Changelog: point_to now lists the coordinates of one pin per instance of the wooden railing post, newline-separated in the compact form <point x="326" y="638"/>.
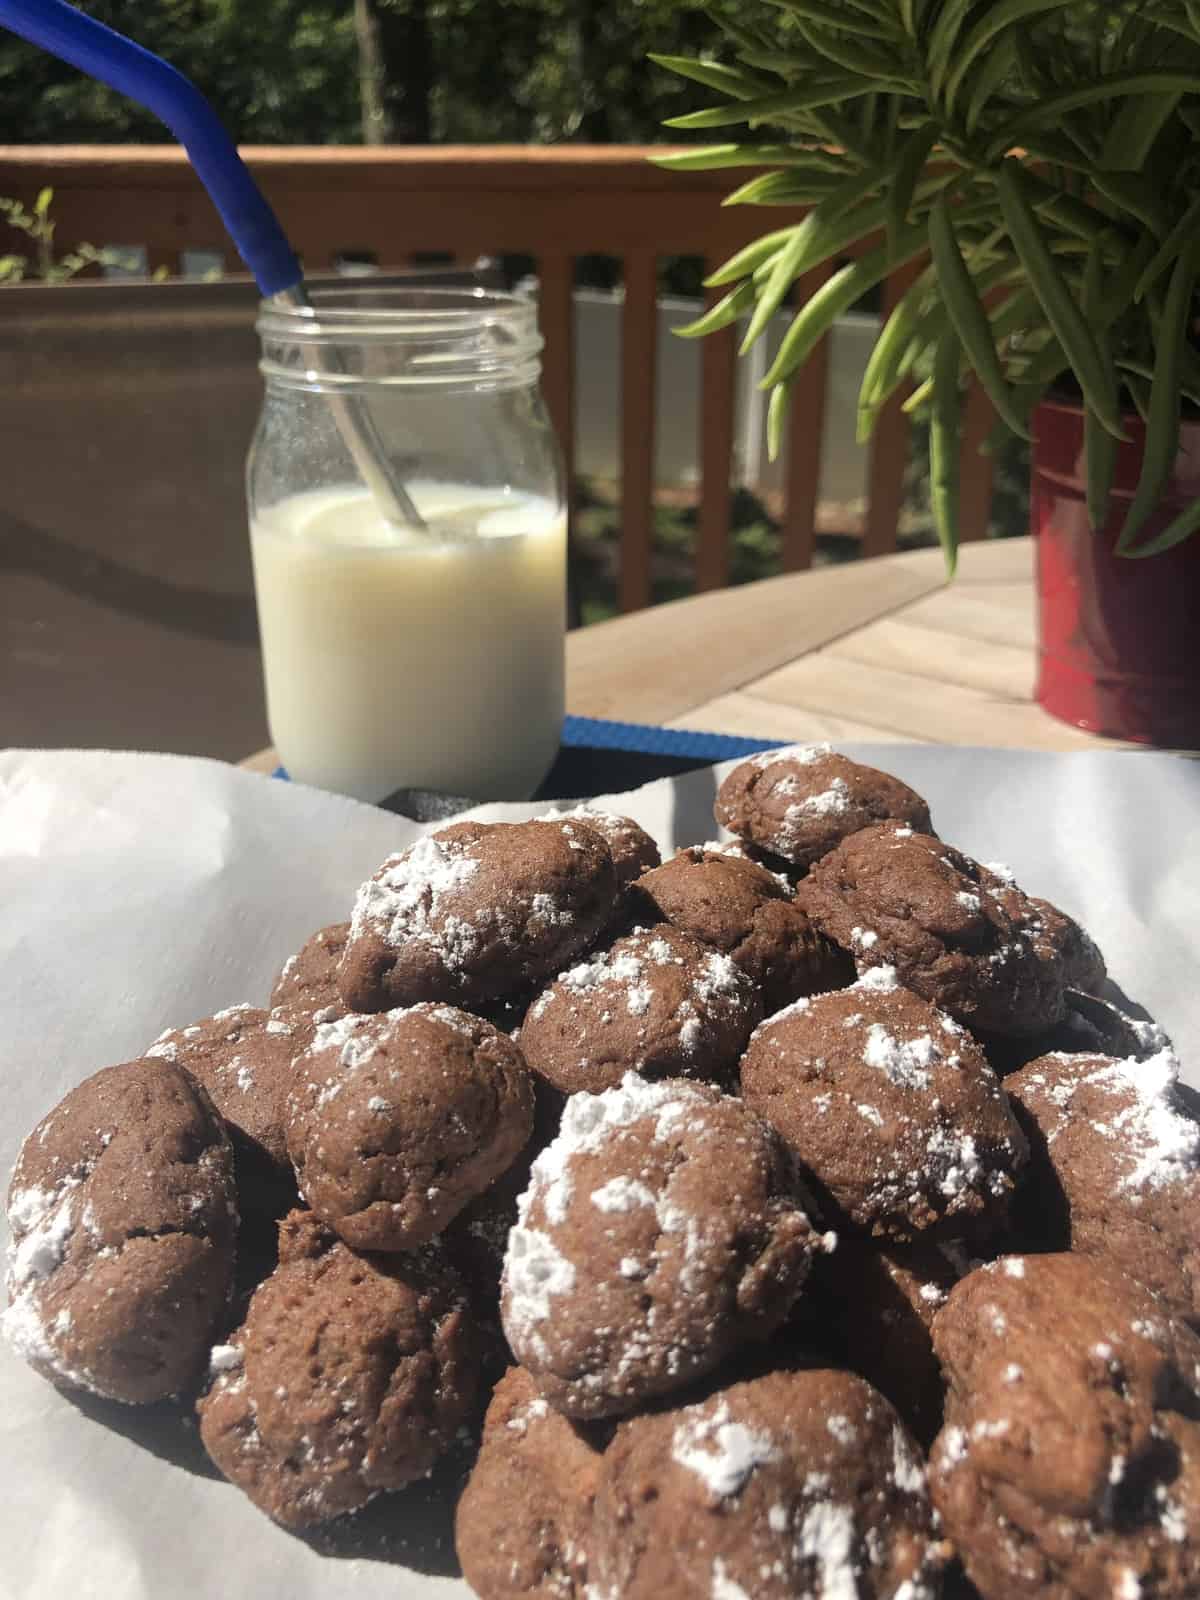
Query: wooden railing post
<point x="889" y="446"/>
<point x="718" y="356"/>
<point x="557" y="321"/>
<point x="805" y="432"/>
<point x="639" y="384"/>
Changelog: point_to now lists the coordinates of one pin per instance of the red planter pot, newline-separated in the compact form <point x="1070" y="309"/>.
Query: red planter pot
<point x="1119" y="649"/>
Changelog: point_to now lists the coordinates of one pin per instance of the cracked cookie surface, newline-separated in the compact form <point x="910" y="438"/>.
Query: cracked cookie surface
<point x="123" y="1215"/>
<point x="350" y="1375"/>
<point x="398" y="1119"/>
<point x="659" y="1232"/>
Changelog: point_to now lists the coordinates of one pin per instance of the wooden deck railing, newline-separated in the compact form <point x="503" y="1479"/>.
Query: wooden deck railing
<point x="554" y="204"/>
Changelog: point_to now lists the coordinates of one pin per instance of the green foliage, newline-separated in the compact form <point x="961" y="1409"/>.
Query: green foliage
<point x="1044" y="151"/>
<point x="282" y="73"/>
<point x="277" y="73"/>
<point x="38" y="227"/>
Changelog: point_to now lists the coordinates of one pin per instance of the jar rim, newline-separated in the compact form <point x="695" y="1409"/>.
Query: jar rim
<point x="395" y="312"/>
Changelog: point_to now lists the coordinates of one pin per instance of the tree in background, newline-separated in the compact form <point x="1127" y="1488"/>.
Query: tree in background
<point x="378" y="71"/>
<point x="279" y="73"/>
<point x="396" y="70"/>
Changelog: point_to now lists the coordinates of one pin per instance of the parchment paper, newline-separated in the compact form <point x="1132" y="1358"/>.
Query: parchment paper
<point x="138" y="892"/>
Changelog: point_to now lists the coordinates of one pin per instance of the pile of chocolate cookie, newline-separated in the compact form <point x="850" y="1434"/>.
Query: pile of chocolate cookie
<point x="804" y="1217"/>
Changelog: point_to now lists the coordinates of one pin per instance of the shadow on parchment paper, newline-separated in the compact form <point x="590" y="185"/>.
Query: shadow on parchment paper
<point x="167" y="1430"/>
<point x="692" y="807"/>
<point x="411" y="1528"/>
<point x="1116" y="996"/>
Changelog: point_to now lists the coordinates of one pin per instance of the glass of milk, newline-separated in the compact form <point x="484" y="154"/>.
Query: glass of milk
<point x="393" y="656"/>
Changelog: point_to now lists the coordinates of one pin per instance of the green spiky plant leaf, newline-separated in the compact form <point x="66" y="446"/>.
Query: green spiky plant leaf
<point x="1042" y="153"/>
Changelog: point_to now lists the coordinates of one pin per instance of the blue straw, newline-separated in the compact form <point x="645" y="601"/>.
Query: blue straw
<point x="62" y="31"/>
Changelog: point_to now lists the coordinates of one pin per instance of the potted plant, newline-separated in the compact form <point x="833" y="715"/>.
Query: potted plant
<point x="1038" y="164"/>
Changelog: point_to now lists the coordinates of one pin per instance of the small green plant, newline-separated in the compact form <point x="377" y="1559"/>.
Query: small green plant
<point x="38" y="227"/>
<point x="1034" y="162"/>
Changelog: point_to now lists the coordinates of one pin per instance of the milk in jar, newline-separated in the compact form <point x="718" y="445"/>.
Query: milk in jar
<point x="422" y="653"/>
<point x="398" y="658"/>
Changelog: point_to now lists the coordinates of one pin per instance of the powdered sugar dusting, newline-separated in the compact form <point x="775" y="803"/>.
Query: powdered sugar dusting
<point x="720" y="979"/>
<point x="22" y="1325"/>
<point x="841" y="1429"/>
<point x="590" y="1119"/>
<point x="610" y="966"/>
<point x="1172" y="1516"/>
<point x="639" y="999"/>
<point x="953" y="1444"/>
<point x="412" y="890"/>
<point x="803" y="755"/>
<point x="826" y="1537"/>
<point x="831" y="802"/>
<point x="535" y="1271"/>
<point x="233" y="1013"/>
<point x="224" y="1358"/>
<point x="956" y="1162"/>
<point x="723" y="1586"/>
<point x="906" y="1062"/>
<point x="43" y="1221"/>
<point x="721" y="1452"/>
<point x="621" y="1194"/>
<point x="628" y="980"/>
<point x="1161" y="1145"/>
<point x="354" y="1037"/>
<point x="908" y="1473"/>
<point x="880" y="980"/>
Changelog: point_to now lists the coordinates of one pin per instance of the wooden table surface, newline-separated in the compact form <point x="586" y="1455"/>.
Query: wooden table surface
<point x="883" y="649"/>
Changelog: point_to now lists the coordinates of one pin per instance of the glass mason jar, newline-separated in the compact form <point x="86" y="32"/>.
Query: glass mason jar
<point x="394" y="656"/>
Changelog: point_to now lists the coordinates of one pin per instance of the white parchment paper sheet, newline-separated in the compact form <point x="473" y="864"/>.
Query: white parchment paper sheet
<point x="138" y="892"/>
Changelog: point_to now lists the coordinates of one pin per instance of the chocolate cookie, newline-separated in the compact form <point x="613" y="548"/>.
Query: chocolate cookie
<point x="799" y="802"/>
<point x="307" y="981"/>
<point x="398" y="1119"/>
<point x="243" y="1057"/>
<point x="786" y="874"/>
<point x="1115" y="1169"/>
<point x="478" y="1237"/>
<point x="961" y="935"/>
<point x="1069" y="1466"/>
<point x="523" y="1525"/>
<point x="658" y="1234"/>
<point x="1089" y="1026"/>
<point x="891" y="1109"/>
<point x="796" y="1483"/>
<point x="475" y="912"/>
<point x="123" y="1222"/>
<point x="873" y="1310"/>
<point x="657" y="1002"/>
<point x="1083" y="965"/>
<point x="741" y="908"/>
<point x="633" y="850"/>
<point x="351" y="1374"/>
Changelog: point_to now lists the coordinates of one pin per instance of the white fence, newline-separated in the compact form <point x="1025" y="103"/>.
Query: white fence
<point x="597" y="400"/>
